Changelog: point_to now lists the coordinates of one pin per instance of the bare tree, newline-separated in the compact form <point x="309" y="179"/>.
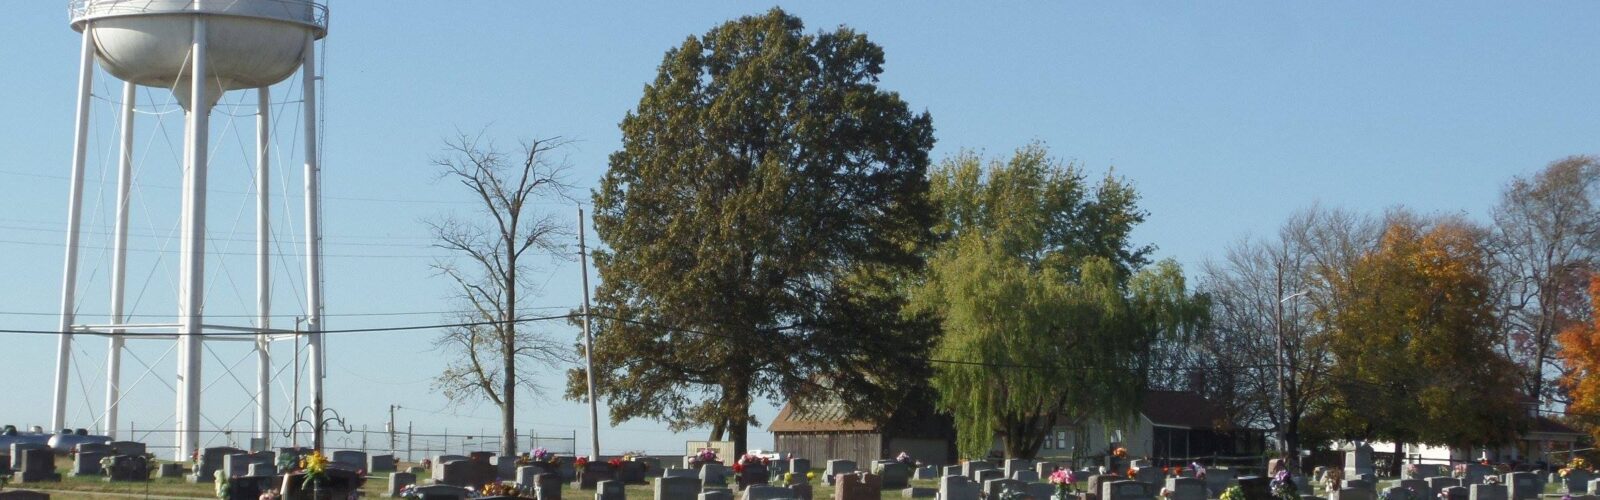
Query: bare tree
<point x="1261" y="355"/>
<point x="493" y="354"/>
<point x="1546" y="238"/>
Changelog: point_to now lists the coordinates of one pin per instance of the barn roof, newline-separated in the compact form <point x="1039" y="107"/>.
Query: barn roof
<point x="828" y="416"/>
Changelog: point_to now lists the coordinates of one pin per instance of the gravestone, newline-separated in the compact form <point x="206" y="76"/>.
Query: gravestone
<point x="1358" y="461"/>
<point x="527" y="475"/>
<point x="799" y="465"/>
<point x="987" y="475"/>
<point x="103" y="448"/>
<point x="505" y="466"/>
<point x="36" y="465"/>
<point x="857" y="486"/>
<point x="1577" y="481"/>
<point x="1476" y="473"/>
<point x="1097" y="482"/>
<point x="926" y="472"/>
<point x="352" y="458"/>
<point x="609" y="490"/>
<point x="1125" y="490"/>
<point x="802" y="490"/>
<point x="753" y="474"/>
<point x="569" y="469"/>
<point x="1148" y="475"/>
<point x="716" y="494"/>
<point x="631" y="472"/>
<point x="238" y="464"/>
<point x="128" y="468"/>
<point x="1523" y="486"/>
<point x="23" y="495"/>
<point x="778" y="467"/>
<point x="441" y="492"/>
<point x="895" y="475"/>
<point x="1419" y="488"/>
<point x="399" y="481"/>
<point x="1439" y="483"/>
<point x="919" y="492"/>
<point x="1351" y="494"/>
<point x="1219" y="479"/>
<point x="764" y="492"/>
<point x="712" y="476"/>
<point x="951" y="470"/>
<point x="547" y="486"/>
<point x="1186" y="488"/>
<point x="87" y="463"/>
<point x="128" y="448"/>
<point x="1015" y="464"/>
<point x="380" y="463"/>
<point x="954" y="487"/>
<point x="972" y="467"/>
<point x="210" y="461"/>
<point x="453" y="473"/>
<point x="1486" y="492"/>
<point x="169" y="469"/>
<point x="258" y="469"/>
<point x="1454" y="493"/>
<point x="1139" y="463"/>
<point x="671" y="487"/>
<point x="1026" y="476"/>
<point x="1044" y="469"/>
<point x="1360" y="484"/>
<point x="593" y="473"/>
<point x="835" y="468"/>
<point x="1399" y="493"/>
<point x="18" y="448"/>
<point x="994" y="487"/>
<point x="1255" y="487"/>
<point x="1040" y="491"/>
<point x="684" y="473"/>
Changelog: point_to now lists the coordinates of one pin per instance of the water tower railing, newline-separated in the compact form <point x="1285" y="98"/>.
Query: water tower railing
<point x="292" y="10"/>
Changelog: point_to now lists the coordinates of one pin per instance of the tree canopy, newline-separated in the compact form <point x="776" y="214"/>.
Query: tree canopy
<point x="1041" y="299"/>
<point x="766" y="205"/>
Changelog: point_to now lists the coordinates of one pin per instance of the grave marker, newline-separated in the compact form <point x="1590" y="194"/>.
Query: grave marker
<point x="671" y="487"/>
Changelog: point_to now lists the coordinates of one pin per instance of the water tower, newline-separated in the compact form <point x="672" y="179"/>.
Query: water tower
<point x="199" y="50"/>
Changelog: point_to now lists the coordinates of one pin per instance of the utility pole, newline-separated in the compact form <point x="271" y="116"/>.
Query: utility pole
<point x="391" y="428"/>
<point x="1283" y="380"/>
<point x="588" y="346"/>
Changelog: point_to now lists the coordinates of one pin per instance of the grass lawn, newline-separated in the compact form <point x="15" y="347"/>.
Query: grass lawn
<point x="72" y="488"/>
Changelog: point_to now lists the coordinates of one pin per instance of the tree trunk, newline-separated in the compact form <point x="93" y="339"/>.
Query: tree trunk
<point x="1399" y="457"/>
<point x="508" y="353"/>
<point x="739" y="416"/>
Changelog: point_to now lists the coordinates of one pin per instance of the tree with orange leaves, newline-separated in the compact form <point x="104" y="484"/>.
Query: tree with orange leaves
<point x="1580" y="354"/>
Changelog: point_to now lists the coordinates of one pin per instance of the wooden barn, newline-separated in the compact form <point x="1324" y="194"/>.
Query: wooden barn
<point x="824" y="431"/>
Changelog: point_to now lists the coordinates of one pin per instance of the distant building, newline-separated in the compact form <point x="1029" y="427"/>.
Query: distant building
<point x="1171" y="427"/>
<point x="1547" y="441"/>
<point x="824" y="431"/>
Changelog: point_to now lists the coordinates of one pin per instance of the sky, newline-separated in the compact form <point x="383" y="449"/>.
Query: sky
<point x="1227" y="116"/>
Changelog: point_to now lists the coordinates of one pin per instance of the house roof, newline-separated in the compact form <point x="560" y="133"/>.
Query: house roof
<point x="829" y="416"/>
<point x="1181" y="409"/>
<point x="1552" y="426"/>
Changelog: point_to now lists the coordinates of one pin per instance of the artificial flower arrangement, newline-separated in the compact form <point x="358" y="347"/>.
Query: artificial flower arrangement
<point x="1199" y="471"/>
<point x="1333" y="480"/>
<point x="1064" y="480"/>
<point x="616" y="463"/>
<point x="748" y="460"/>
<point x="1459" y="471"/>
<point x="904" y="458"/>
<point x="581" y="461"/>
<point x="315" y="465"/>
<point x="1120" y="452"/>
<point x="1283" y="486"/>
<point x="1233" y="493"/>
<point x="706" y="455"/>
<point x="792" y="478"/>
<point x="542" y="455"/>
<point x="1412" y="471"/>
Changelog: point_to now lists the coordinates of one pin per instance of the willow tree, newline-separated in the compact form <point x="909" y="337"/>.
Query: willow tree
<point x="766" y="203"/>
<point x="1047" y="308"/>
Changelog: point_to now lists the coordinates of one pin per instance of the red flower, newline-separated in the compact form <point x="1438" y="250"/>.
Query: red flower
<point x="738" y="467"/>
<point x="616" y="463"/>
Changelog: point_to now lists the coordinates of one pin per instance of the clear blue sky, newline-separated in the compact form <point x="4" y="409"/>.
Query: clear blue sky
<point x="1227" y="116"/>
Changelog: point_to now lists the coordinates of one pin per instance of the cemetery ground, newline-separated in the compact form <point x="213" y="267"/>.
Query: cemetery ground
<point x="73" y="488"/>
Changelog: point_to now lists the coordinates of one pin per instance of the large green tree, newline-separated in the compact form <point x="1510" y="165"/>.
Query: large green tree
<point x="1413" y="342"/>
<point x="1046" y="306"/>
<point x="765" y="207"/>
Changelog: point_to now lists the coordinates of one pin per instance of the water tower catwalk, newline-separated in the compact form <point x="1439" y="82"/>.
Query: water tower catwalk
<point x="199" y="50"/>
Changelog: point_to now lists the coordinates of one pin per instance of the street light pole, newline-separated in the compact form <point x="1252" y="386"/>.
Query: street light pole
<point x="1283" y="381"/>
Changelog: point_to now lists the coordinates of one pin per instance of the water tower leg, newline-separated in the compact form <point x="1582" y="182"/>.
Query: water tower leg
<point x="263" y="271"/>
<point x="119" y="260"/>
<point x="193" y="246"/>
<point x="314" y="352"/>
<point x="69" y="275"/>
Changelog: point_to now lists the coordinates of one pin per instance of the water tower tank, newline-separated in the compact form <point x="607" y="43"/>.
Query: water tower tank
<point x="250" y="43"/>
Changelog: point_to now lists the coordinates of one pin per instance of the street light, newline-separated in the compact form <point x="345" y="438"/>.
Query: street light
<point x="1283" y="387"/>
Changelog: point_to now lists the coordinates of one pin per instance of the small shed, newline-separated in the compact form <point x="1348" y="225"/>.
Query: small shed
<point x="824" y="431"/>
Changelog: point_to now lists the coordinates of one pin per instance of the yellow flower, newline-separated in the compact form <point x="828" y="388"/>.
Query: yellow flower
<point x="811" y="475"/>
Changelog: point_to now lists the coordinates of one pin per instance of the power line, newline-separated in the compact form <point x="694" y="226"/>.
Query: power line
<point x="334" y="315"/>
<point x="339" y="331"/>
